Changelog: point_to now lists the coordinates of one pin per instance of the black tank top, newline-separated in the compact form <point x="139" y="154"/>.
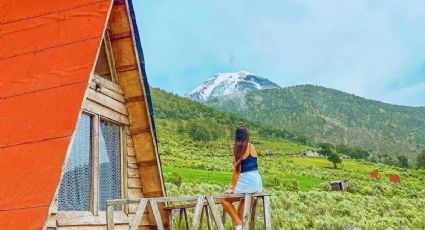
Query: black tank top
<point x="250" y="163"/>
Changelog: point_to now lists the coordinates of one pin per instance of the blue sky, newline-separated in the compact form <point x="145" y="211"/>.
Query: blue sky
<point x="374" y="49"/>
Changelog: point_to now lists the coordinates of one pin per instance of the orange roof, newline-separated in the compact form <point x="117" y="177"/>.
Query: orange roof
<point x="47" y="50"/>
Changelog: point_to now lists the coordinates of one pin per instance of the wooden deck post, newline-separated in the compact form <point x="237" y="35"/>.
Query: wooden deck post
<point x="110" y="217"/>
<point x="246" y="211"/>
<point x="253" y="212"/>
<point x="156" y="214"/>
<point x="203" y="204"/>
<point x="207" y="212"/>
<point x="198" y="213"/>
<point x="215" y="214"/>
<point x="186" y="220"/>
<point x="267" y="217"/>
<point x="139" y="213"/>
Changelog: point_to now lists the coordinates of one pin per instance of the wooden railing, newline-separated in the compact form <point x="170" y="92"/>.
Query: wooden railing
<point x="202" y="205"/>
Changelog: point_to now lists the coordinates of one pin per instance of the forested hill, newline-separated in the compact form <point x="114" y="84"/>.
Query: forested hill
<point x="201" y="118"/>
<point x="328" y="115"/>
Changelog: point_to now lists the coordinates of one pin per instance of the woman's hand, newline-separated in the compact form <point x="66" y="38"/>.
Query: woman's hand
<point x="229" y="191"/>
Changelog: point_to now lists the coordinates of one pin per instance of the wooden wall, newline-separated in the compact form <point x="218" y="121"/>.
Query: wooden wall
<point x="124" y="102"/>
<point x="130" y="79"/>
<point x="109" y="103"/>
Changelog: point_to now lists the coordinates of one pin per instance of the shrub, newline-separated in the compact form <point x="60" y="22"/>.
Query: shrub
<point x="420" y="160"/>
<point x="175" y="179"/>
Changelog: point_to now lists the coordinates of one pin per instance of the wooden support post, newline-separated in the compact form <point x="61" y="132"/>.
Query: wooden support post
<point x="219" y="222"/>
<point x="267" y="217"/>
<point x="186" y="220"/>
<point x="180" y="219"/>
<point x="139" y="213"/>
<point x="156" y="214"/>
<point x="207" y="213"/>
<point x="253" y="213"/>
<point x="197" y="213"/>
<point x="201" y="222"/>
<point x="246" y="211"/>
<point x="95" y="163"/>
<point x="110" y="217"/>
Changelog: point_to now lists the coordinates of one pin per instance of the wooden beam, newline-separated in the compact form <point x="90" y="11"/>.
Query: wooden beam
<point x="147" y="163"/>
<point x="95" y="168"/>
<point x="108" y="102"/>
<point x="129" y="78"/>
<point x="254" y="211"/>
<point x="156" y="214"/>
<point x="110" y="55"/>
<point x="108" y="84"/>
<point x="110" y="93"/>
<point x="136" y="131"/>
<point x="139" y="213"/>
<point x="214" y="211"/>
<point x="153" y="194"/>
<point x="196" y="221"/>
<point x="139" y="98"/>
<point x="110" y="217"/>
<point x="94" y="107"/>
<point x="121" y="35"/>
<point x="267" y="216"/>
<point x="124" y="68"/>
<point x="246" y="212"/>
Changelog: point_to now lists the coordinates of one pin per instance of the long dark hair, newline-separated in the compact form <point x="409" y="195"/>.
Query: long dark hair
<point x="240" y="146"/>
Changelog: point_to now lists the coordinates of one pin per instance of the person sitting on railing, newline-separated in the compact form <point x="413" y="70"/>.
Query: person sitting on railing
<point x="246" y="178"/>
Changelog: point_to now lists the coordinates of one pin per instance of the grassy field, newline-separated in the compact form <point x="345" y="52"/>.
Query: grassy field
<point x="301" y="195"/>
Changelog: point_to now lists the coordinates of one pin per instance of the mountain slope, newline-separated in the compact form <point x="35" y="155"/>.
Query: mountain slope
<point x="230" y="83"/>
<point x="184" y="125"/>
<point x="323" y="114"/>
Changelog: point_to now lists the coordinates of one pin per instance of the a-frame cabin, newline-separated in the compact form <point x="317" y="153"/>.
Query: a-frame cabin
<point x="76" y="126"/>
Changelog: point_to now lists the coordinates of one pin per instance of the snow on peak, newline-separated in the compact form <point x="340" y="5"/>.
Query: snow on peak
<point x="230" y="83"/>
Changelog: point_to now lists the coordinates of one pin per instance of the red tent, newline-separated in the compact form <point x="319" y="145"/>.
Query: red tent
<point x="395" y="179"/>
<point x="374" y="174"/>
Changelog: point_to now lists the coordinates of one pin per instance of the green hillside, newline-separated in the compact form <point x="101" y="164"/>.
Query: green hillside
<point x="201" y="164"/>
<point x="328" y="115"/>
<point x="188" y="127"/>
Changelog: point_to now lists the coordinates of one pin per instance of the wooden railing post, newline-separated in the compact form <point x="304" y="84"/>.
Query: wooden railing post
<point x="253" y="213"/>
<point x="197" y="213"/>
<point x="204" y="204"/>
<point x="246" y="211"/>
<point x="139" y="213"/>
<point x="156" y="214"/>
<point x="214" y="211"/>
<point x="267" y="217"/>
<point x="110" y="216"/>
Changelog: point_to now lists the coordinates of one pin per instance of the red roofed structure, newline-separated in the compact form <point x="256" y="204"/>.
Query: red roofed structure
<point x="72" y="78"/>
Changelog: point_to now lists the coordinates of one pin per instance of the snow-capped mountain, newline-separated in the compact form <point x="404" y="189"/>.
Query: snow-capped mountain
<point x="230" y="83"/>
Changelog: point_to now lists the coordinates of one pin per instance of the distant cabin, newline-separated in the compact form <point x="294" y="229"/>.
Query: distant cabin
<point x="308" y="153"/>
<point x="76" y="124"/>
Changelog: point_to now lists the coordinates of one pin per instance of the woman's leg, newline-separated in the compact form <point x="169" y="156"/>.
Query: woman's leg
<point x="229" y="208"/>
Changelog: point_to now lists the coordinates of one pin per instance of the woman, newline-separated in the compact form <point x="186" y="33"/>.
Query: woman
<point x="246" y="178"/>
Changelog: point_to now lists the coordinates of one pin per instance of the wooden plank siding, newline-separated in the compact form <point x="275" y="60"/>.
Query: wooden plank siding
<point x="122" y="100"/>
<point x="133" y="186"/>
<point x="129" y="78"/>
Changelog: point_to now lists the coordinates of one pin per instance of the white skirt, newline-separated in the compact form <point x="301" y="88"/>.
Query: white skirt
<point x="249" y="182"/>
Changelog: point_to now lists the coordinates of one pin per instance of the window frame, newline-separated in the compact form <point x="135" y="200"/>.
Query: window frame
<point x="106" y="43"/>
<point x="94" y="162"/>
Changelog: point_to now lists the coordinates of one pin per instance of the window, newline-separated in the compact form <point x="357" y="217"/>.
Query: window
<point x="93" y="169"/>
<point x="110" y="163"/>
<point x="105" y="63"/>
<point x="74" y="190"/>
